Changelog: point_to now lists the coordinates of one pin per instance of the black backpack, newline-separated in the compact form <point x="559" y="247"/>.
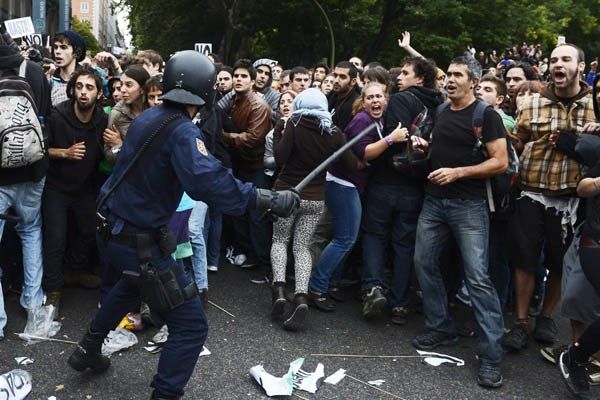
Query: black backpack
<point x="498" y="187"/>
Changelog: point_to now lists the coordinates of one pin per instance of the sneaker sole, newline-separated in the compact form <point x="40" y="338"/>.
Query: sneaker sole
<point x="294" y="322"/>
<point x="547" y="356"/>
<point x="491" y="385"/>
<point x="212" y="269"/>
<point x="445" y="342"/>
<point x="374" y="309"/>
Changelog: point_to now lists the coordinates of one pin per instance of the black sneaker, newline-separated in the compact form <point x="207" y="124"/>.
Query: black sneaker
<point x="551" y="354"/>
<point x="574" y="374"/>
<point x="545" y="329"/>
<point x="399" y="315"/>
<point x="250" y="262"/>
<point x="373" y="303"/>
<point x="278" y="300"/>
<point x="536" y="306"/>
<point x="489" y="375"/>
<point x="516" y="339"/>
<point x="430" y="340"/>
<point x="320" y="301"/>
<point x="336" y="294"/>
<point x="298" y="315"/>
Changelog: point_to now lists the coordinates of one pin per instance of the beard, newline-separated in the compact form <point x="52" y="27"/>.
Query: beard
<point x="84" y="107"/>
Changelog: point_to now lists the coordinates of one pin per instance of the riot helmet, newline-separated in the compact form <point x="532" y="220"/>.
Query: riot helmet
<point x="190" y="78"/>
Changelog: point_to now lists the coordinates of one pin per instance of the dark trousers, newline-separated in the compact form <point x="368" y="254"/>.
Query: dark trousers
<point x="187" y="323"/>
<point x="257" y="228"/>
<point x="57" y="208"/>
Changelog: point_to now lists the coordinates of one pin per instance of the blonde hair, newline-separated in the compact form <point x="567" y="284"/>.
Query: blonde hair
<point x="358" y="103"/>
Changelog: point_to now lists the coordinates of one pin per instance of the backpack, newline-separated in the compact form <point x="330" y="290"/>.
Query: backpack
<point x="498" y="187"/>
<point x="21" y="138"/>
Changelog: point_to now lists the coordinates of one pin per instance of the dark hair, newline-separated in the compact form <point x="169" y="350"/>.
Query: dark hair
<point x="214" y="57"/>
<point x="473" y="66"/>
<point x="153" y="57"/>
<point x="128" y="60"/>
<point x="298" y="70"/>
<point x="285" y="72"/>
<point x="352" y="70"/>
<point x="527" y="71"/>
<point x="532" y="86"/>
<point x="374" y="64"/>
<point x="83" y="71"/>
<point x="424" y="68"/>
<point x="321" y="65"/>
<point x="138" y="73"/>
<point x="152" y="83"/>
<point x="497" y="82"/>
<point x="246" y="64"/>
<point x="377" y="74"/>
<point x="580" y="53"/>
<point x="225" y="68"/>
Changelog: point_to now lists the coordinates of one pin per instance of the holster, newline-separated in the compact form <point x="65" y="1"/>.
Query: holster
<point x="162" y="291"/>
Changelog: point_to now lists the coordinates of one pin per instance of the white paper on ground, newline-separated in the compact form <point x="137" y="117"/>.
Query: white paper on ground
<point x="377" y="382"/>
<point x="437" y="359"/>
<point x="336" y="377"/>
<point x="274" y="386"/>
<point x="15" y="384"/>
<point x="205" y="352"/>
<point x="309" y="381"/>
<point x="23" y="360"/>
<point x="117" y="340"/>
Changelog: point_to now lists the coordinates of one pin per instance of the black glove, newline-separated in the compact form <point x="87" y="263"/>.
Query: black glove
<point x="280" y="204"/>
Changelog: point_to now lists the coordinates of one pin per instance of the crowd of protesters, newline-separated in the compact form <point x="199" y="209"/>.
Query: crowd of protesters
<point x="414" y="213"/>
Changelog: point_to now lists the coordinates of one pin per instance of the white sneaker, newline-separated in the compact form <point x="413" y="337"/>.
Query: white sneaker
<point x="212" y="268"/>
<point x="239" y="260"/>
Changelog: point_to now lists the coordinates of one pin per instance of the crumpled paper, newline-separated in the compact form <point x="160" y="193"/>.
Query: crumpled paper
<point x="437" y="359"/>
<point x="275" y="386"/>
<point x="117" y="340"/>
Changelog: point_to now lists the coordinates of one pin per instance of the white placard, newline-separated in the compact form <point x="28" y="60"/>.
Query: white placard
<point x="19" y="27"/>
<point x="203" y="48"/>
<point x="36" y="38"/>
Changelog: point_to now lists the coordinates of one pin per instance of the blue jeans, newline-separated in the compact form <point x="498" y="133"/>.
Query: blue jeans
<point x="2" y="311"/>
<point x="213" y="226"/>
<point x="26" y="199"/>
<point x="468" y="222"/>
<point x="498" y="265"/>
<point x="187" y="323"/>
<point x="197" y="239"/>
<point x="391" y="214"/>
<point x="345" y="208"/>
<point x="258" y="228"/>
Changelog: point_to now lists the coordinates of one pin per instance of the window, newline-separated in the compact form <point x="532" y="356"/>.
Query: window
<point x="84" y="7"/>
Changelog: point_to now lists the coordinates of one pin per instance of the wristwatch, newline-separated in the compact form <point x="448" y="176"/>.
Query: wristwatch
<point x="388" y="140"/>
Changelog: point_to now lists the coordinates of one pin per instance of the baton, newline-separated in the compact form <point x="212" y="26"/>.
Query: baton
<point x="9" y="218"/>
<point x="331" y="159"/>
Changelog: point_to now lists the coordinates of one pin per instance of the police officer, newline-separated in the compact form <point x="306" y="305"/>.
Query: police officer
<point x="163" y="155"/>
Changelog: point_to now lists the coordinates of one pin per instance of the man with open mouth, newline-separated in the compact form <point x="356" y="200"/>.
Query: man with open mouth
<point x="547" y="205"/>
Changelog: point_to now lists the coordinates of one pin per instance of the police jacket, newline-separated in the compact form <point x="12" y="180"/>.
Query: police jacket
<point x="176" y="160"/>
<point x="74" y="176"/>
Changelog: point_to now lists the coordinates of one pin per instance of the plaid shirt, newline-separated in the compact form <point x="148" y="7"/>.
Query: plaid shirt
<point x="543" y="168"/>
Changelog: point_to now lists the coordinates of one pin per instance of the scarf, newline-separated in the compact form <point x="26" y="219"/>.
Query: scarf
<point x="312" y="103"/>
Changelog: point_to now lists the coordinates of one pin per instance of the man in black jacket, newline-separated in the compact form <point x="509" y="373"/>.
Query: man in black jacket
<point x="75" y="147"/>
<point x="394" y="198"/>
<point x="21" y="188"/>
<point x="345" y="92"/>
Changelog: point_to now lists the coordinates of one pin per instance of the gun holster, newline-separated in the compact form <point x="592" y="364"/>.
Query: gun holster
<point x="161" y="291"/>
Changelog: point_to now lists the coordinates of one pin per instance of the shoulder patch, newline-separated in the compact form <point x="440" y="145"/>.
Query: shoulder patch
<point x="201" y="147"/>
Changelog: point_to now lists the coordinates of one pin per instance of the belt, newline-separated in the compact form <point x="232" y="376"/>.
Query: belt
<point x="130" y="239"/>
<point x="588" y="242"/>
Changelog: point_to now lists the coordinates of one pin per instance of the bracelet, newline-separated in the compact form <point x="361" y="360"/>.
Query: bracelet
<point x="388" y="140"/>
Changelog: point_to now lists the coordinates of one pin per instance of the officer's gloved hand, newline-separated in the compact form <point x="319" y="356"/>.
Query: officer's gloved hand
<point x="278" y="204"/>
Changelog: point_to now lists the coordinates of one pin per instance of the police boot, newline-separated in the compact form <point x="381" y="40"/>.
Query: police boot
<point x="89" y="353"/>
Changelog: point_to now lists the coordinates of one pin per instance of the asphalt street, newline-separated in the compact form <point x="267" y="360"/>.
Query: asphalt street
<point x="251" y="338"/>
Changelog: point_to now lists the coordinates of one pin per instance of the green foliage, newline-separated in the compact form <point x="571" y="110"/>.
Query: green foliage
<point x="295" y="31"/>
<point x="85" y="30"/>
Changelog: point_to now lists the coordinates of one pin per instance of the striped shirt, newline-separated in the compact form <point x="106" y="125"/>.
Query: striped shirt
<point x="545" y="169"/>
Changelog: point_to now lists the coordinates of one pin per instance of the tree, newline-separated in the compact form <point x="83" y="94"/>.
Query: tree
<point x="294" y="32"/>
<point x="85" y="30"/>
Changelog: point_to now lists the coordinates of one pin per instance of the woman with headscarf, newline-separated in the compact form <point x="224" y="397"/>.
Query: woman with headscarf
<point x="305" y="141"/>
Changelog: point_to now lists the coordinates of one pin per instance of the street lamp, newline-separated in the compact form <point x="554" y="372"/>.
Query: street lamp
<point x="332" y="62"/>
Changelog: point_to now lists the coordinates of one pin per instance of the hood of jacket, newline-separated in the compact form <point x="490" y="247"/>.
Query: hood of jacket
<point x="10" y="58"/>
<point x="430" y="98"/>
<point x="65" y="109"/>
<point x="585" y="89"/>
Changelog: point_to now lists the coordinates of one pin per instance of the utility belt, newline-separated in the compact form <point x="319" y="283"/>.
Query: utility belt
<point x="160" y="290"/>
